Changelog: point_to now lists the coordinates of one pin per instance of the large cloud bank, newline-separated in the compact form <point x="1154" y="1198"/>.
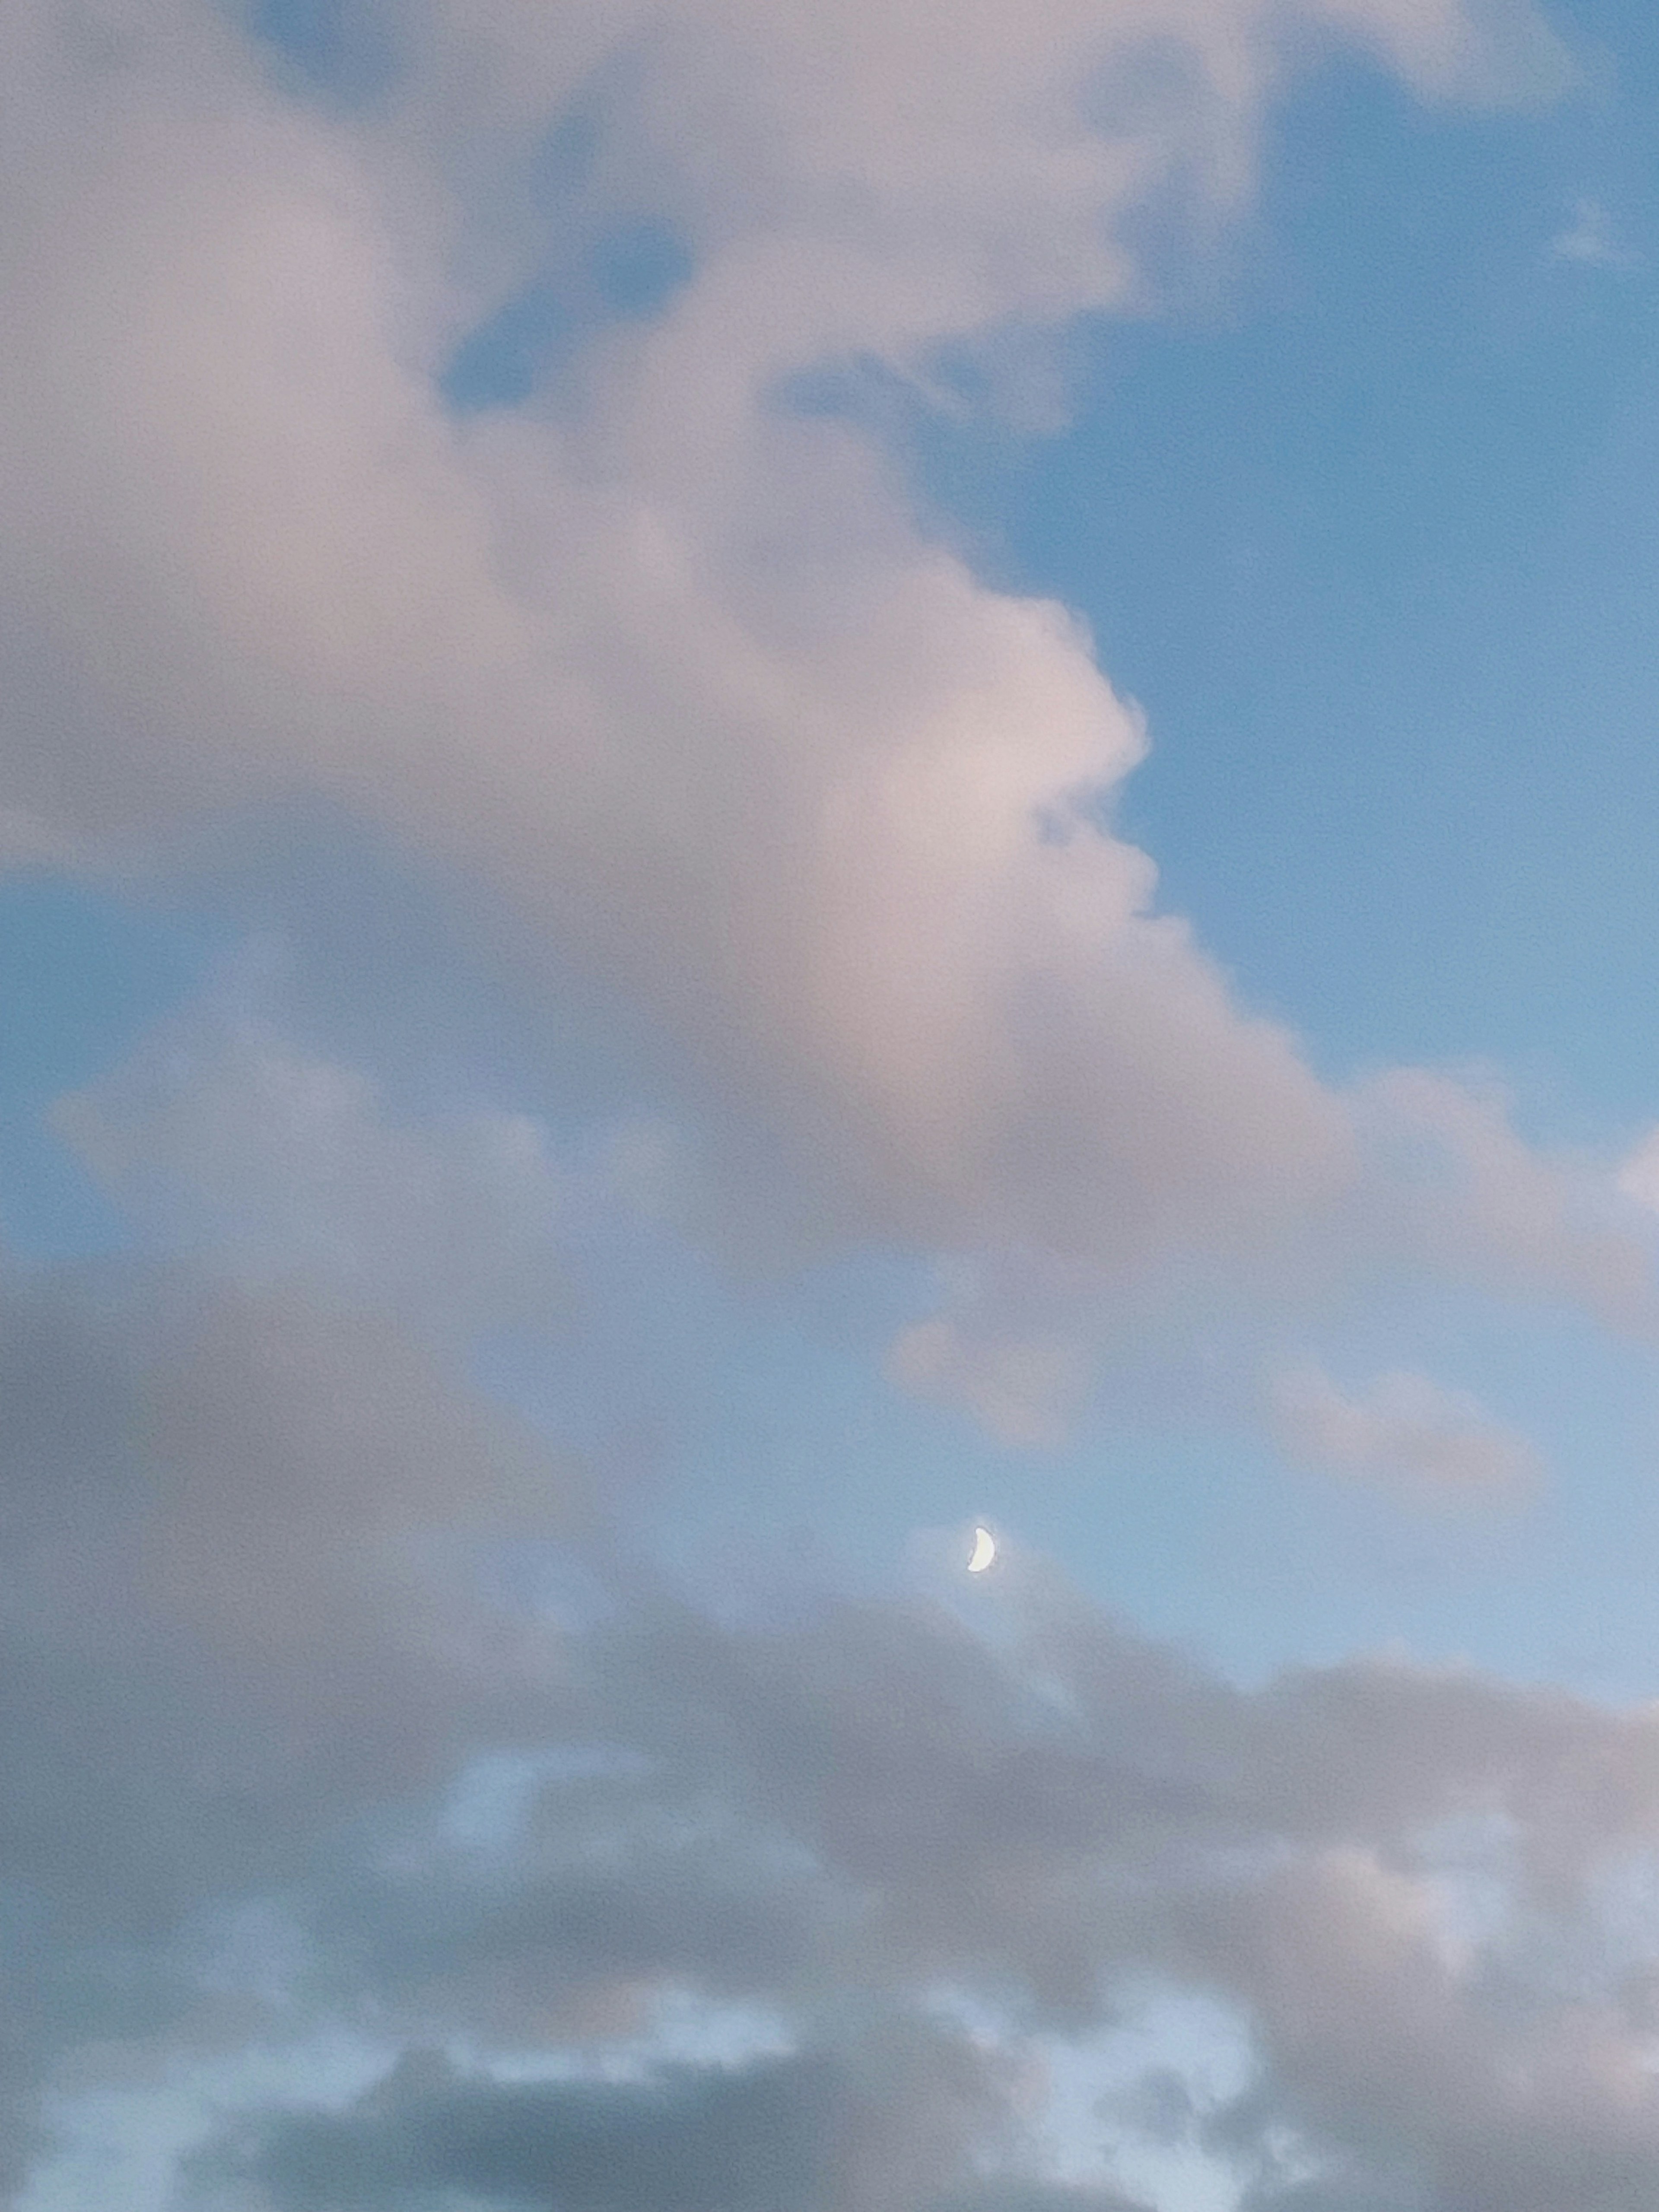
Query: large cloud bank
<point x="656" y="658"/>
<point x="923" y="1851"/>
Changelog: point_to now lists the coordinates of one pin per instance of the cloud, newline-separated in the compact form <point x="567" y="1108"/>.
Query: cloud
<point x="665" y="664"/>
<point x="1591" y="239"/>
<point x="1450" y="1187"/>
<point x="1326" y="1854"/>
<point x="248" y="1550"/>
<point x="226" y="1140"/>
<point x="1441" y="1188"/>
<point x="241" y="1602"/>
<point x="653" y="661"/>
<point x="1022" y="1391"/>
<point x="243" y="1529"/>
<point x="1405" y="1434"/>
<point x="1636" y="1177"/>
<point x="816" y="2132"/>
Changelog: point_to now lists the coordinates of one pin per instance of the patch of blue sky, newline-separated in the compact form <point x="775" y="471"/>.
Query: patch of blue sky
<point x="1122" y="2110"/>
<point x="84" y="973"/>
<point x="630" y="272"/>
<point x="564" y="160"/>
<point x="685" y="2028"/>
<point x="636" y="267"/>
<point x="1127" y="2107"/>
<point x="339" y="51"/>
<point x="122" y="2145"/>
<point x="770" y="1454"/>
<point x="345" y="51"/>
<point x="502" y="360"/>
<point x="491" y="1800"/>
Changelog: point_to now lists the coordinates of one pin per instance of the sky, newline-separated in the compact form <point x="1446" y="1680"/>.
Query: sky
<point x="774" y="780"/>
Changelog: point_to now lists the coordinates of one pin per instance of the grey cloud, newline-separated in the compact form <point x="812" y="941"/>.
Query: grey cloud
<point x="244" y="1646"/>
<point x="1334" y="2195"/>
<point x="237" y="1553"/>
<point x="822" y="2131"/>
<point x="880" y="1778"/>
<point x="1038" y="1843"/>
<point x="615" y="1892"/>
<point x="240" y="1610"/>
<point x="1038" y="2197"/>
<point x="834" y="1816"/>
<point x="1408" y="2083"/>
<point x="735" y="2143"/>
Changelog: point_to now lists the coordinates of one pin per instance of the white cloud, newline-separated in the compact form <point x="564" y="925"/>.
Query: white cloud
<point x="241" y="1685"/>
<point x="1592" y="240"/>
<point x="1449" y="1185"/>
<point x="1404" y="1434"/>
<point x="671" y="668"/>
<point x="1441" y="1188"/>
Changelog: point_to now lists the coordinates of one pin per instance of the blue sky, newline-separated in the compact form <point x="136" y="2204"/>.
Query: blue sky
<point x="572" y="931"/>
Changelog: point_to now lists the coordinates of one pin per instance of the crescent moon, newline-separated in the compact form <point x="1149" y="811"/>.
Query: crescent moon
<point x="985" y="1550"/>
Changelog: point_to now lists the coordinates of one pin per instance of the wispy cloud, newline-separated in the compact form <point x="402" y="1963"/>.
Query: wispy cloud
<point x="1592" y="238"/>
<point x="1404" y="1434"/>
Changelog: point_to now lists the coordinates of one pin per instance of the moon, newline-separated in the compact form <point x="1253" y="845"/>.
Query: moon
<point x="985" y="1550"/>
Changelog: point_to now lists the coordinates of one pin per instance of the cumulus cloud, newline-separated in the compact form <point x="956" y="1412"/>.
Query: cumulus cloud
<point x="656" y="659"/>
<point x="1402" y="1433"/>
<point x="249" y="1549"/>
<point x="245" y="1547"/>
<point x="664" y="662"/>
<point x="1392" y="1875"/>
